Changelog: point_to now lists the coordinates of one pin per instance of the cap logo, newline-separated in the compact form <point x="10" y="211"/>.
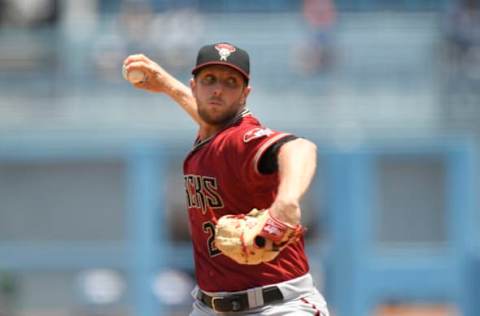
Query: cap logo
<point x="224" y="50"/>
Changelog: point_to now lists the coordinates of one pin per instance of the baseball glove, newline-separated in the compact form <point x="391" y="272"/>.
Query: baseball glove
<point x="255" y="237"/>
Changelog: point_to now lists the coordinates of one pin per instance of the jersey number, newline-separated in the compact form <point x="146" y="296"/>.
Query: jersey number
<point x="209" y="228"/>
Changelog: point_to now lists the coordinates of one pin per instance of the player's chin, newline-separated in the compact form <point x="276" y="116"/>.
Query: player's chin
<point x="215" y="118"/>
<point x="217" y="111"/>
<point x="215" y="115"/>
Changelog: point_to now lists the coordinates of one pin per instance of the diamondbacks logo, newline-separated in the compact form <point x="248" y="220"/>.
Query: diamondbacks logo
<point x="202" y="192"/>
<point x="256" y="133"/>
<point x="224" y="50"/>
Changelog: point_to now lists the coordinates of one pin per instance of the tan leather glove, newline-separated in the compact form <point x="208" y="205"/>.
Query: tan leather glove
<point x="254" y="238"/>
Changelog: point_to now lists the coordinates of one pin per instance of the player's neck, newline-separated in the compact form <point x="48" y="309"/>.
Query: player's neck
<point x="207" y="130"/>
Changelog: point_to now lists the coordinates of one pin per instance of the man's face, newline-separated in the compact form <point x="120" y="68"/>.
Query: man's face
<point x="220" y="92"/>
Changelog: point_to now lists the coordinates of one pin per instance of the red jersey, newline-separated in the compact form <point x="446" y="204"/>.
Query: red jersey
<point x="222" y="177"/>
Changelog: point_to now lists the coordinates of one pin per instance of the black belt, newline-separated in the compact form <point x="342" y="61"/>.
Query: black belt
<point x="238" y="302"/>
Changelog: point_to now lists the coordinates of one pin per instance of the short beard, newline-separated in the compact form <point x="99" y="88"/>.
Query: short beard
<point x="217" y="120"/>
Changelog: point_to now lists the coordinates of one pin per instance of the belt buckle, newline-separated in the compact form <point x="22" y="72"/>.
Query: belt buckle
<point x="213" y="303"/>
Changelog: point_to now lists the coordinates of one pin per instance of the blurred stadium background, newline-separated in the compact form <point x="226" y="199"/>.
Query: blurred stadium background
<point x="92" y="218"/>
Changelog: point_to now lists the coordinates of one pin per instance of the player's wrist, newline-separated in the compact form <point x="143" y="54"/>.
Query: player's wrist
<point x="286" y="210"/>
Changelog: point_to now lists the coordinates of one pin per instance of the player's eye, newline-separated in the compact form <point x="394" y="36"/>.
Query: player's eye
<point x="231" y="82"/>
<point x="208" y="80"/>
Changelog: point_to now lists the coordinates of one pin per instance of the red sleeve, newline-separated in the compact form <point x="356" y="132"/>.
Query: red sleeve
<point x="247" y="147"/>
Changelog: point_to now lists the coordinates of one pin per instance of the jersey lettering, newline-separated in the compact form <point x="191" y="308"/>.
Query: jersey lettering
<point x="209" y="228"/>
<point x="202" y="192"/>
<point x="193" y="187"/>
<point x="213" y="198"/>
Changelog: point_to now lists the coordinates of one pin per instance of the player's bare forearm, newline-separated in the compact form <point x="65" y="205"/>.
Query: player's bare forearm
<point x="159" y="80"/>
<point x="297" y="161"/>
<point x="182" y="95"/>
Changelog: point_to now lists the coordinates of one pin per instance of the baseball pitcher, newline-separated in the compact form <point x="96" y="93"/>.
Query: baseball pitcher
<point x="243" y="185"/>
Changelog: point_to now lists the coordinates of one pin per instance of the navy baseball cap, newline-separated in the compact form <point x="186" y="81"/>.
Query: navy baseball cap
<point x="223" y="54"/>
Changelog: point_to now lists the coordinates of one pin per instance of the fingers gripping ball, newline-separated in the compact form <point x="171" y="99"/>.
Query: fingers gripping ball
<point x="134" y="76"/>
<point x="255" y="237"/>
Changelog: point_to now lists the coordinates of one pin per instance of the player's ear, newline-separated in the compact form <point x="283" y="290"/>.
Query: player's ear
<point x="245" y="94"/>
<point x="193" y="84"/>
<point x="247" y="90"/>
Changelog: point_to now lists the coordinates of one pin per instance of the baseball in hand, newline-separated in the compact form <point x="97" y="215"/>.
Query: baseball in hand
<point x="134" y="76"/>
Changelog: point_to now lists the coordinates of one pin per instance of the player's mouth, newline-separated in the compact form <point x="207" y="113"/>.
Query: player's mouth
<point x="215" y="102"/>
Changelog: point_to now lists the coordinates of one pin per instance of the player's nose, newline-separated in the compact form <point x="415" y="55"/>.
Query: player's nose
<point x="217" y="89"/>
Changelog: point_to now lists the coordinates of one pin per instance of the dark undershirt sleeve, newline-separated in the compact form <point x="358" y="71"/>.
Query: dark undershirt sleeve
<point x="268" y="163"/>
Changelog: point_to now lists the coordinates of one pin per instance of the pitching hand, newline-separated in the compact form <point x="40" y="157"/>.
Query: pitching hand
<point x="156" y="78"/>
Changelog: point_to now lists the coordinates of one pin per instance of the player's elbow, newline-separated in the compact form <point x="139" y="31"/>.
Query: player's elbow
<point x="306" y="146"/>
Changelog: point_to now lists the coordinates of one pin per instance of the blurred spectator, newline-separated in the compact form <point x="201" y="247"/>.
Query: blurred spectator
<point x="463" y="33"/>
<point x="170" y="37"/>
<point x="462" y="90"/>
<point x="135" y="24"/>
<point x="179" y="34"/>
<point x="316" y="55"/>
<point x="28" y="41"/>
<point x="129" y="33"/>
<point x="8" y="293"/>
<point x="28" y="13"/>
